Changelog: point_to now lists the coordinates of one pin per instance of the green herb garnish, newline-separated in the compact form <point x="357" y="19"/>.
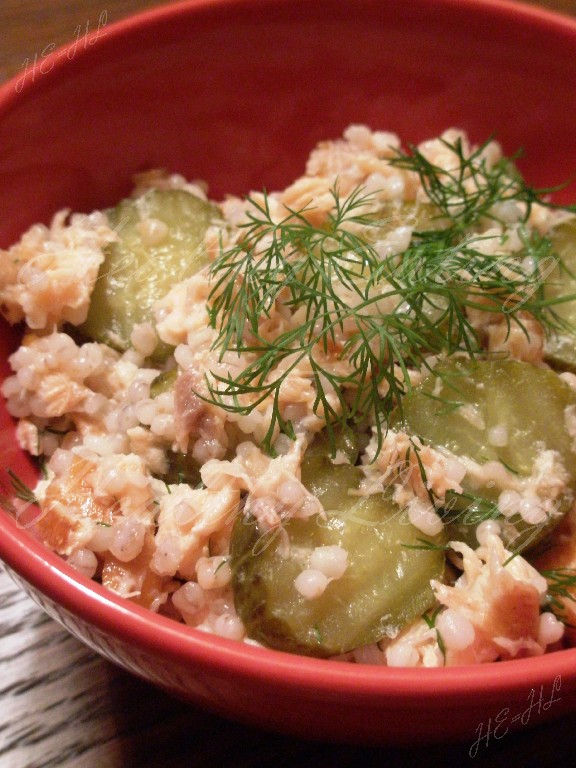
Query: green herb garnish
<point x="21" y="490"/>
<point x="427" y="545"/>
<point x="431" y="621"/>
<point x="561" y="583"/>
<point x="378" y="315"/>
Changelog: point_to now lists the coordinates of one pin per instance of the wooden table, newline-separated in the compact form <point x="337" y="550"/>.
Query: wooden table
<point x="62" y="706"/>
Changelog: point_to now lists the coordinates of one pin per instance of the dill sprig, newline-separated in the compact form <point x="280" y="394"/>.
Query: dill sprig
<point x="21" y="490"/>
<point x="430" y="620"/>
<point x="469" y="509"/>
<point x="561" y="584"/>
<point x="18" y="489"/>
<point x="471" y="189"/>
<point x="361" y="320"/>
<point x="427" y="546"/>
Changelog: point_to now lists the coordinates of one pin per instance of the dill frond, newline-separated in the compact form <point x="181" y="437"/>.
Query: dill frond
<point x="561" y="583"/>
<point x="17" y="490"/>
<point x="21" y="490"/>
<point x="377" y="316"/>
<point x="561" y="587"/>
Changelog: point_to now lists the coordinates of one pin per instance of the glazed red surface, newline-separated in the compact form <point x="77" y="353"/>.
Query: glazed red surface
<point x="237" y="93"/>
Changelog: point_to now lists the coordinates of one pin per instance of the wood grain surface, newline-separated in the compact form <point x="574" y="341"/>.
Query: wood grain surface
<point x="62" y="706"/>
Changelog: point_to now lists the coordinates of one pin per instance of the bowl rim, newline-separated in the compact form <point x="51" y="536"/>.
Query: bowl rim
<point x="139" y="21"/>
<point x="51" y="576"/>
<point x="47" y="573"/>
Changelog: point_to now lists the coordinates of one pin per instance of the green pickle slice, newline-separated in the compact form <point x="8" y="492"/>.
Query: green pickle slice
<point x="385" y="586"/>
<point x="560" y="347"/>
<point x="459" y="407"/>
<point x="138" y="270"/>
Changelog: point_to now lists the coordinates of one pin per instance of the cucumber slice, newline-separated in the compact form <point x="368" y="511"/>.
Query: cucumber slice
<point x="560" y="348"/>
<point x="504" y="411"/>
<point x="385" y="586"/>
<point x="142" y="266"/>
<point x="164" y="382"/>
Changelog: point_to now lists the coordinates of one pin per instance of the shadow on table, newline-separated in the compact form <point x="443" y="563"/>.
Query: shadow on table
<point x="157" y="730"/>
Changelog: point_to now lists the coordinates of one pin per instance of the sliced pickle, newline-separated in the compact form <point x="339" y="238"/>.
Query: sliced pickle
<point x="560" y="347"/>
<point x="182" y="468"/>
<point x="504" y="411"/>
<point x="161" y="236"/>
<point x="164" y="382"/>
<point x="386" y="583"/>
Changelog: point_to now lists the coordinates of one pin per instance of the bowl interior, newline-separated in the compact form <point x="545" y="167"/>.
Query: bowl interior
<point x="237" y="92"/>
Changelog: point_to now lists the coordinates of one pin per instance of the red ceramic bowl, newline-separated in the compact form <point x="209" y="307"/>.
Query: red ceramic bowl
<point x="237" y="92"/>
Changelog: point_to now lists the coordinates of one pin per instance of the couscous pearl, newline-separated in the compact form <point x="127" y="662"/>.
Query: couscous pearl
<point x="94" y="403"/>
<point x="399" y="239"/>
<point x="508" y="503"/>
<point x="213" y="572"/>
<point x="402" y="655"/>
<point x="189" y="598"/>
<point x="133" y="356"/>
<point x="295" y="411"/>
<point x="22" y="356"/>
<point x="49" y="444"/>
<point x="144" y="339"/>
<point x="311" y="583"/>
<point x="153" y="231"/>
<point x="456" y="630"/>
<point x="282" y="445"/>
<point x="550" y="630"/>
<point x="162" y="424"/>
<point x="222" y="605"/>
<point x="455" y="469"/>
<point x="532" y="511"/>
<point x="229" y="626"/>
<point x="332" y="560"/>
<point x="113" y="481"/>
<point x="146" y="411"/>
<point x="60" y="461"/>
<point x="102" y="538"/>
<point x="84" y="561"/>
<point x="11" y="387"/>
<point x="424" y="518"/>
<point x="290" y="493"/>
<point x="487" y="528"/>
<point x="128" y="539"/>
<point x="127" y="418"/>
<point x="165" y="401"/>
<point x="184" y="356"/>
<point x="26" y="377"/>
<point x="18" y="408"/>
<point x="204" y="450"/>
<point x="166" y="559"/>
<point x="111" y="421"/>
<point x="569" y="378"/>
<point x="83" y="365"/>
<point x="498" y="436"/>
<point x="308" y="507"/>
<point x="139" y="390"/>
